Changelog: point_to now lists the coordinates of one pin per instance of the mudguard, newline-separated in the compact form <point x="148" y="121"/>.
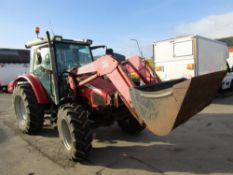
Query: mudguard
<point x="36" y="87"/>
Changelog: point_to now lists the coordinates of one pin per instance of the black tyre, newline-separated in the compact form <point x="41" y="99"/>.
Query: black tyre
<point x="75" y="131"/>
<point x="130" y="125"/>
<point x="29" y="113"/>
<point x="3" y="88"/>
<point x="231" y="86"/>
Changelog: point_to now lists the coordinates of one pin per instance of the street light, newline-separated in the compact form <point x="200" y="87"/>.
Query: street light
<point x="138" y="46"/>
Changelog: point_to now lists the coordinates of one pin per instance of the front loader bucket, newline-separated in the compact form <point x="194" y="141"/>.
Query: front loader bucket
<point x="166" y="105"/>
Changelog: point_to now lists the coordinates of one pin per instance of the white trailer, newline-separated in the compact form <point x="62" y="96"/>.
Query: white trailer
<point x="13" y="62"/>
<point x="188" y="56"/>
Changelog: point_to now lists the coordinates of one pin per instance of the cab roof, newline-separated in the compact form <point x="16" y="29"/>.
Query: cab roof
<point x="56" y="38"/>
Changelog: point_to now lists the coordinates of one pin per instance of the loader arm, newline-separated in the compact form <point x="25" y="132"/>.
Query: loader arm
<point x="160" y="107"/>
<point x="108" y="66"/>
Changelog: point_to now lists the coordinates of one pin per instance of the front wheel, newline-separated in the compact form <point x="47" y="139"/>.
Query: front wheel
<point x="74" y="131"/>
<point x="29" y="113"/>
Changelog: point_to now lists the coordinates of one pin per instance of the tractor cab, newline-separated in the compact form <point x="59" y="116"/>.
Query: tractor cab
<point x="57" y="60"/>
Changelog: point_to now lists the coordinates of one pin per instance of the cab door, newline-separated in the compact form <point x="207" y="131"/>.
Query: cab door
<point x="42" y="68"/>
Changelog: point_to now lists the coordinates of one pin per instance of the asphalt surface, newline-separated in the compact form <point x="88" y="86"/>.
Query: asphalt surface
<point x="204" y="145"/>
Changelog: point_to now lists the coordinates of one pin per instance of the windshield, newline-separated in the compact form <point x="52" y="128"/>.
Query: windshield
<point x="71" y="55"/>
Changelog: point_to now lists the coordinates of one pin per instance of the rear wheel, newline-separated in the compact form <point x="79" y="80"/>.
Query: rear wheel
<point x="130" y="125"/>
<point x="74" y="131"/>
<point x="29" y="113"/>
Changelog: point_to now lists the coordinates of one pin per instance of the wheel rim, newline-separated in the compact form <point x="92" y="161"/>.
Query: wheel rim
<point x="66" y="135"/>
<point x="20" y="109"/>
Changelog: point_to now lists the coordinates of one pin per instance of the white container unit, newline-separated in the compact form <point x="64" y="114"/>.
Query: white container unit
<point x="13" y="62"/>
<point x="188" y="56"/>
<point x="9" y="72"/>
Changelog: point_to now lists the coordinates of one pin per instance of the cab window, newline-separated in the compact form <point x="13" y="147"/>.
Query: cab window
<point x="71" y="55"/>
<point x="43" y="58"/>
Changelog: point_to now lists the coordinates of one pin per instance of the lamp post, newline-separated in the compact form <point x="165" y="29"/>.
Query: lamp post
<point x="138" y="46"/>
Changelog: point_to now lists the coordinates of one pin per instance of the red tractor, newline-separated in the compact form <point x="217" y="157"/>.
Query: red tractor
<point x="79" y="94"/>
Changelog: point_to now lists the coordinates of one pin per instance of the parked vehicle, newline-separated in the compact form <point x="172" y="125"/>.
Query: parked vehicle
<point x="227" y="83"/>
<point x="13" y="62"/>
<point x="188" y="56"/>
<point x="80" y="93"/>
<point x="228" y="79"/>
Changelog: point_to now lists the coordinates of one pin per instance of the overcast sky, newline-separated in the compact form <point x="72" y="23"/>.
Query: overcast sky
<point x="114" y="22"/>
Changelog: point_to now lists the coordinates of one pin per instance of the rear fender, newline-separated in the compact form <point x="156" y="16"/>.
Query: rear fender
<point x="36" y="85"/>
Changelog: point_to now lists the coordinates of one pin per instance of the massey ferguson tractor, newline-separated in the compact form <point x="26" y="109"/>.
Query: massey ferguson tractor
<point x="80" y="94"/>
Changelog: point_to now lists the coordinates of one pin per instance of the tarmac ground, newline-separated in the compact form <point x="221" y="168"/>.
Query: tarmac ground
<point x="203" y="145"/>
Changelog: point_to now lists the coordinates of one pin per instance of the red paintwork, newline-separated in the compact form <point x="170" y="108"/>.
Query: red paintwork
<point x="105" y="85"/>
<point x="10" y="86"/>
<point x="36" y="87"/>
<point x="117" y="74"/>
<point x="102" y="66"/>
<point x="108" y="66"/>
<point x="122" y="84"/>
<point x="73" y="85"/>
<point x="99" y="86"/>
